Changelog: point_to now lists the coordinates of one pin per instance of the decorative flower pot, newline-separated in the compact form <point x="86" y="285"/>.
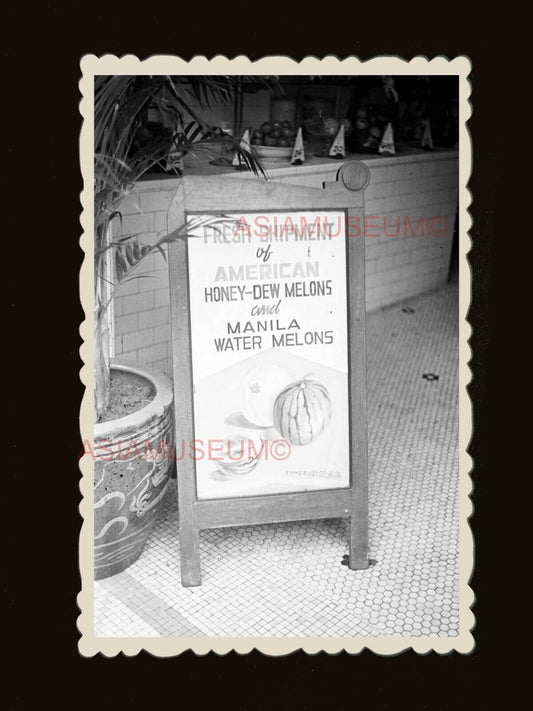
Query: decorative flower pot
<point x="133" y="458"/>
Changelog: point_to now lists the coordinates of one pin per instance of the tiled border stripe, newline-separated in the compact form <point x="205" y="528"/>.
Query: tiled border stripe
<point x="150" y="608"/>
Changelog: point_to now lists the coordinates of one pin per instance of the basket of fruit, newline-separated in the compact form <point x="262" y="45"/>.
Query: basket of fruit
<point x="274" y="141"/>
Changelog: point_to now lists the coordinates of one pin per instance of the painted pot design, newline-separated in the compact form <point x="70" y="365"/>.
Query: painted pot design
<point x="132" y="462"/>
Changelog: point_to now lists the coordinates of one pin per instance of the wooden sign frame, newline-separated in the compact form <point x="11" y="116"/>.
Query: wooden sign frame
<point x="223" y="195"/>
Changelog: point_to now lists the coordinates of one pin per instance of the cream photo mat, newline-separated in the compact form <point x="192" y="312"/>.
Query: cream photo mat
<point x="89" y="645"/>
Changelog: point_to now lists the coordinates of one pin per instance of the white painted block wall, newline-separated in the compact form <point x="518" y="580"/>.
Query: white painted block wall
<point x="397" y="268"/>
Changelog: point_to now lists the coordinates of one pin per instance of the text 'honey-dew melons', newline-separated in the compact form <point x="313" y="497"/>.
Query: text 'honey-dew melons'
<point x="261" y="385"/>
<point x="302" y="411"/>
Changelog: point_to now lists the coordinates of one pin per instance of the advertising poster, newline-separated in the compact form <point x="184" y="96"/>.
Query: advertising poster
<point x="269" y="353"/>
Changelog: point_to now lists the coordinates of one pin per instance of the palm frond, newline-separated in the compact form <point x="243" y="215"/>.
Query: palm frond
<point x="124" y="150"/>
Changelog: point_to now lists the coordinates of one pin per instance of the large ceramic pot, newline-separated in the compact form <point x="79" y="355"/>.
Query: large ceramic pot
<point x="133" y="458"/>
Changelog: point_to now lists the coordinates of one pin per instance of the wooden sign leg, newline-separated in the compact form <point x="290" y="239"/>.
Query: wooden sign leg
<point x="183" y="399"/>
<point x="189" y="547"/>
<point x="358" y="545"/>
<point x="358" y="558"/>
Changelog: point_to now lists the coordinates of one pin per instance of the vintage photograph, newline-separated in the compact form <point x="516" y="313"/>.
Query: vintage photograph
<point x="275" y="353"/>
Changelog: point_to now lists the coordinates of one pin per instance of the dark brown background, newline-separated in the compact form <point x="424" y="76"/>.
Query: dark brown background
<point x="41" y="264"/>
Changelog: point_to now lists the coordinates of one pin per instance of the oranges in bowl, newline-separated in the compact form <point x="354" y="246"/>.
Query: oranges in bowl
<point x="273" y="141"/>
<point x="274" y="134"/>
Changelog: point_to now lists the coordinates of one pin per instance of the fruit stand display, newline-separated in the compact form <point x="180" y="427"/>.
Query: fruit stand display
<point x="273" y="133"/>
<point x="274" y="140"/>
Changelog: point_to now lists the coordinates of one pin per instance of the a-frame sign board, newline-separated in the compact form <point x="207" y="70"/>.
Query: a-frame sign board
<point x="268" y="337"/>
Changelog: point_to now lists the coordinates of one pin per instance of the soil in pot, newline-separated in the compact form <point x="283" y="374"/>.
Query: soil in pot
<point x="127" y="393"/>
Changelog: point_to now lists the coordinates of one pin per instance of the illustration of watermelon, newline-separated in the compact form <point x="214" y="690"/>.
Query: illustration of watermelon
<point x="302" y="411"/>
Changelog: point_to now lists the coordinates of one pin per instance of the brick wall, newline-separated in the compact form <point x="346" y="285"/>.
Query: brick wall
<point x="404" y="189"/>
<point x="142" y="328"/>
<point x="424" y="186"/>
<point x="406" y="265"/>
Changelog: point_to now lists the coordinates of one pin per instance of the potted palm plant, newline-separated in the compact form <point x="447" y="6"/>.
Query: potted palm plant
<point x="133" y="405"/>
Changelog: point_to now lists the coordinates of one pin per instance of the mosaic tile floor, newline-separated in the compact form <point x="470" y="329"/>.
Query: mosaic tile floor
<point x="287" y="580"/>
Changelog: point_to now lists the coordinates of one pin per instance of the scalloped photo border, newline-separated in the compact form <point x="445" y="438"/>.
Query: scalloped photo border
<point x="91" y="65"/>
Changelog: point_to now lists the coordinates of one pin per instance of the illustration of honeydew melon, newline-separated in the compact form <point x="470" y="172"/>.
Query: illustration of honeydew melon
<point x="240" y="454"/>
<point x="261" y="385"/>
<point x="302" y="411"/>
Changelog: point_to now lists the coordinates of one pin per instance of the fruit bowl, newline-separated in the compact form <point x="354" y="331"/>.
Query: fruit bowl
<point x="276" y="154"/>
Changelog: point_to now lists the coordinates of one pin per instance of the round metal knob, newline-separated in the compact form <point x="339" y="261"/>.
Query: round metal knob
<point x="354" y="175"/>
